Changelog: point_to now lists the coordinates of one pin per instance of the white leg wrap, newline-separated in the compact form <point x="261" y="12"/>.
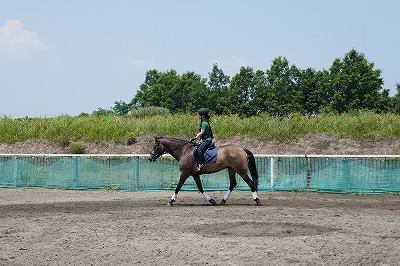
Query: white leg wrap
<point x="174" y="197"/>
<point x="255" y="195"/>
<point x="228" y="193"/>
<point x="206" y="197"/>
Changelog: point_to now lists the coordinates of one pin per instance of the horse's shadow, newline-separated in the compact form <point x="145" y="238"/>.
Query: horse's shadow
<point x="206" y="204"/>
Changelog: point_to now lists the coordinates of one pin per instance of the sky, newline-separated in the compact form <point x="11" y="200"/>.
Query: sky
<point x="71" y="57"/>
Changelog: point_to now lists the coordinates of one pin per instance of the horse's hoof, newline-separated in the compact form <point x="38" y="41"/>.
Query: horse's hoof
<point x="257" y="201"/>
<point x="171" y="203"/>
<point x="212" y="201"/>
<point x="223" y="202"/>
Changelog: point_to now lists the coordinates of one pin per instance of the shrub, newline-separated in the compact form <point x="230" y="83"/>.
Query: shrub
<point x="77" y="148"/>
<point x="131" y="139"/>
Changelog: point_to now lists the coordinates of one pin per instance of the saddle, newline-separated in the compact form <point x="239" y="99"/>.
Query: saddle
<point x="210" y="156"/>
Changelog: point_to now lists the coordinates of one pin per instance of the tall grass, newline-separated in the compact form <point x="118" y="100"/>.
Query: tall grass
<point x="66" y="129"/>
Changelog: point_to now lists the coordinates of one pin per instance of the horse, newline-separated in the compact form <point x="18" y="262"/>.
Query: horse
<point x="236" y="159"/>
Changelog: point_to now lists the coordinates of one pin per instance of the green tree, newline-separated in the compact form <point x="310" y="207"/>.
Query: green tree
<point x="192" y="93"/>
<point x="355" y="84"/>
<point x="169" y="90"/>
<point x="383" y="103"/>
<point x="121" y="108"/>
<point x="239" y="98"/>
<point x="218" y="85"/>
<point x="395" y="101"/>
<point x="103" y="112"/>
<point x="146" y="95"/>
<point x="282" y="95"/>
<point x="351" y="83"/>
<point x="159" y="89"/>
<point x="260" y="92"/>
<point x="314" y="94"/>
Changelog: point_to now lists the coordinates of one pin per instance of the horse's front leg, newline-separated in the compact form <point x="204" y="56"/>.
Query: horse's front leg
<point x="182" y="180"/>
<point x="200" y="187"/>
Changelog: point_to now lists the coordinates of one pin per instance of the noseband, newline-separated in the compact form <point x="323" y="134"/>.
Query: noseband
<point x="156" y="153"/>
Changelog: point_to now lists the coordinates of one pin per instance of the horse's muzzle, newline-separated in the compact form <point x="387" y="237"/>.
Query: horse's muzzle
<point x="153" y="157"/>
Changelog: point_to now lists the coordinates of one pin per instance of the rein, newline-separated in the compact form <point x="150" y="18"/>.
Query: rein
<point x="158" y="151"/>
<point x="187" y="142"/>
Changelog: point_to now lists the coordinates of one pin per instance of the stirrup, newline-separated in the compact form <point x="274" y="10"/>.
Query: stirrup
<point x="199" y="167"/>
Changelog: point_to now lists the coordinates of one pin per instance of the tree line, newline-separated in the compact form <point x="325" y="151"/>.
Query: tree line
<point x="351" y="83"/>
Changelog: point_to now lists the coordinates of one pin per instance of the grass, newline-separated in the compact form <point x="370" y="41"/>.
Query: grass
<point x="66" y="129"/>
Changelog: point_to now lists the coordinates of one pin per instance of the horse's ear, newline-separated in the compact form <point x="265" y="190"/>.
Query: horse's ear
<point x="157" y="138"/>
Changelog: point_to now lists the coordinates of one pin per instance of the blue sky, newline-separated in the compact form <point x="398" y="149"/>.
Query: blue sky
<point x="68" y="57"/>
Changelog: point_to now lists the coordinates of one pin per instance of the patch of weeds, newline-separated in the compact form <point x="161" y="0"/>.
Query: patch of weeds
<point x="131" y="139"/>
<point x="77" y="147"/>
<point x="110" y="186"/>
<point x="171" y="184"/>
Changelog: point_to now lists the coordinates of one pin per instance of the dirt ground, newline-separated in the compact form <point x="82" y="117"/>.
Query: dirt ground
<point x="57" y="227"/>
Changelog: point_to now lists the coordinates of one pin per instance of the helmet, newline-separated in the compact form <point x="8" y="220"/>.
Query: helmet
<point x="202" y="111"/>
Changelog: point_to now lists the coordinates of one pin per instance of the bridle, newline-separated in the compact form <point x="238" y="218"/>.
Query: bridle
<point x="157" y="152"/>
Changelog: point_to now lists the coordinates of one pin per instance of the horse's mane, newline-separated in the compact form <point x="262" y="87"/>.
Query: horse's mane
<point x="176" y="140"/>
<point x="175" y="144"/>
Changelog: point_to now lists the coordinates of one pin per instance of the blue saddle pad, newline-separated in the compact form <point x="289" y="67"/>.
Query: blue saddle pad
<point x="209" y="157"/>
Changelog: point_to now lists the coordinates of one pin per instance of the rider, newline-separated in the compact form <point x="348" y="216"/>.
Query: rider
<point x="205" y="135"/>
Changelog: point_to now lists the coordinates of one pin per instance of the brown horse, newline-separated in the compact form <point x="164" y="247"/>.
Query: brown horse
<point x="235" y="158"/>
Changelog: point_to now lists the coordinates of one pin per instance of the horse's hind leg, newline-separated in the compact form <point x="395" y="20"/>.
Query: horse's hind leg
<point x="200" y="187"/>
<point x="251" y="184"/>
<point x="232" y="185"/>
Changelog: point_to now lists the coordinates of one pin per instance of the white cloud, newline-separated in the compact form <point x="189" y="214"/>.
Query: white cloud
<point x="18" y="43"/>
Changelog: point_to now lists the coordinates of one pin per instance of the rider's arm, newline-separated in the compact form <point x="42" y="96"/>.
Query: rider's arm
<point x="198" y="135"/>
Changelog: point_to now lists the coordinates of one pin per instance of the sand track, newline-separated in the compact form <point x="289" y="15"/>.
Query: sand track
<point x="53" y="227"/>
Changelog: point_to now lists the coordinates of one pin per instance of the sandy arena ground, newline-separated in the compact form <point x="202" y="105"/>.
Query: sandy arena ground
<point x="54" y="227"/>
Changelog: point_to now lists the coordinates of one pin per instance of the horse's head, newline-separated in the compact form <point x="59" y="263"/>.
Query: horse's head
<point x="158" y="150"/>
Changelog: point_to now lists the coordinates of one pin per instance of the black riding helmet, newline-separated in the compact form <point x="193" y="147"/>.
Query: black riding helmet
<point x="202" y="111"/>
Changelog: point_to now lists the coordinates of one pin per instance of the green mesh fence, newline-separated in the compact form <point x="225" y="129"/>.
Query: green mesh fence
<point x="340" y="174"/>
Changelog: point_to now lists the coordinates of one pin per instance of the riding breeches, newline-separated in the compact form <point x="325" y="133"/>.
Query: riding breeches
<point x="202" y="148"/>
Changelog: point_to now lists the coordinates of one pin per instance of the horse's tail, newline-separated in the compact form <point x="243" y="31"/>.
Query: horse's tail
<point x="252" y="168"/>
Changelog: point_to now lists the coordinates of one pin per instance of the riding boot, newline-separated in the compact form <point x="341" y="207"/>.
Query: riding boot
<point x="201" y="161"/>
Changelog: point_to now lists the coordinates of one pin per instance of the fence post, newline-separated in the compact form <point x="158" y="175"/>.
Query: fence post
<point x="346" y="174"/>
<point x="272" y="174"/>
<point x="75" y="172"/>
<point x="15" y="172"/>
<point x="137" y="173"/>
<point x="308" y="173"/>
